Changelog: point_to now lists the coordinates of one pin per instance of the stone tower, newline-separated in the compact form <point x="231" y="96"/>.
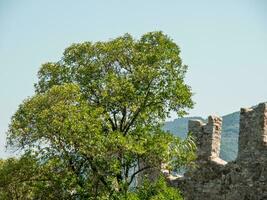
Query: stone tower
<point x="253" y="133"/>
<point x="208" y="138"/>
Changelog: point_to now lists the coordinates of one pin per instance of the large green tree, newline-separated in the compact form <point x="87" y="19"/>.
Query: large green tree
<point x="98" y="112"/>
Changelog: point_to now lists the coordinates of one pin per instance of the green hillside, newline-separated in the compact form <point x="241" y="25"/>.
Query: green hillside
<point x="230" y="129"/>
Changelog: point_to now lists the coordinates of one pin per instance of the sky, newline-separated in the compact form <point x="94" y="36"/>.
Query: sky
<point x="224" y="43"/>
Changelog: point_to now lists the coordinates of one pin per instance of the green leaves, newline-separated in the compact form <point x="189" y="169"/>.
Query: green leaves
<point x="26" y="178"/>
<point x="155" y="191"/>
<point x="182" y="153"/>
<point x="55" y="117"/>
<point x="144" y="74"/>
<point x="97" y="113"/>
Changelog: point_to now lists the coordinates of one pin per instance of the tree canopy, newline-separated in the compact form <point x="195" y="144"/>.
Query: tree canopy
<point x="96" y="115"/>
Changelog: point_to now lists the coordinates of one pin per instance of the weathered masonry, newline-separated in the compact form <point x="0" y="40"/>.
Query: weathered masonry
<point x="242" y="179"/>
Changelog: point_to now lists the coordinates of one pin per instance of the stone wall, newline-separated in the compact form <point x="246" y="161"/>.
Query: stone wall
<point x="242" y="179"/>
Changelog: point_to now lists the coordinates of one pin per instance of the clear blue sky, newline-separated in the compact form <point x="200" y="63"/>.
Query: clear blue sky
<point x="223" y="42"/>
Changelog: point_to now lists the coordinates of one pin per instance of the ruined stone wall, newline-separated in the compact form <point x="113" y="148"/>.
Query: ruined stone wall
<point x="242" y="179"/>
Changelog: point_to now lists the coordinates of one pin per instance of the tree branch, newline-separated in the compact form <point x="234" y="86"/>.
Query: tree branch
<point x="142" y="106"/>
<point x="112" y="124"/>
<point x="115" y="120"/>
<point x="137" y="172"/>
<point x="124" y="112"/>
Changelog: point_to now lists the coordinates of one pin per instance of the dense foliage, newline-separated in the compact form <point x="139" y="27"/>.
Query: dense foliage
<point x="94" y="123"/>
